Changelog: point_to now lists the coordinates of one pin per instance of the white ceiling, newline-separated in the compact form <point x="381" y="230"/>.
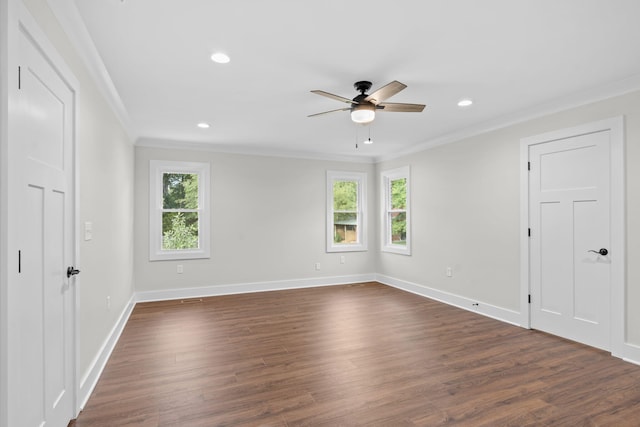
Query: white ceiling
<point x="514" y="58"/>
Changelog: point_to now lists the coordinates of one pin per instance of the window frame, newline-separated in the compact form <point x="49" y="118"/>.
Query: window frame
<point x="361" y="225"/>
<point x="386" y="177"/>
<point x="157" y="168"/>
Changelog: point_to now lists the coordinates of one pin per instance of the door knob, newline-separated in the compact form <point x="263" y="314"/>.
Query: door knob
<point x="72" y="271"/>
<point x="602" y="251"/>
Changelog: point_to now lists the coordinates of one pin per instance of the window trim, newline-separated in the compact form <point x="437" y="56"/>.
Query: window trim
<point x="385" y="184"/>
<point x="156" y="170"/>
<point x="361" y="179"/>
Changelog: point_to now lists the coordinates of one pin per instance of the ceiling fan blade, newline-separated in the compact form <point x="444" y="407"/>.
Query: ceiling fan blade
<point x="385" y="92"/>
<point x="401" y="108"/>
<point x="332" y="96"/>
<point x="331" y="111"/>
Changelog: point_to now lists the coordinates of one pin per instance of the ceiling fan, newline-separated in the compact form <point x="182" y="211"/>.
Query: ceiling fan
<point x="363" y="107"/>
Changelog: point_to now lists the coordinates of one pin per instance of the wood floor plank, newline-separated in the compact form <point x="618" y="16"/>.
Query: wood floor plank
<point x="350" y="355"/>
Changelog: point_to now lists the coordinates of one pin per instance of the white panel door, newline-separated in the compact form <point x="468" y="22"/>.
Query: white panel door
<point x="42" y="307"/>
<point x="569" y="202"/>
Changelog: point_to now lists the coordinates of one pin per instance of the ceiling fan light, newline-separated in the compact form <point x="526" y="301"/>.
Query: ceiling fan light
<point x="363" y="113"/>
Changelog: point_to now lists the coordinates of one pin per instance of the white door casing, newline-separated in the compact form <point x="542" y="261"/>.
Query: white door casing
<point x="42" y="348"/>
<point x="573" y="202"/>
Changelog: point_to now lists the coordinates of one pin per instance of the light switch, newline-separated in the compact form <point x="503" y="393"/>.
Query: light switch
<point x="88" y="230"/>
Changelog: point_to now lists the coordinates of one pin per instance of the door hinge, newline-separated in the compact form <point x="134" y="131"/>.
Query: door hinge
<point x="19" y="76"/>
<point x="529" y="298"/>
<point x="19" y="262"/>
<point x="529" y="232"/>
<point x="528" y="166"/>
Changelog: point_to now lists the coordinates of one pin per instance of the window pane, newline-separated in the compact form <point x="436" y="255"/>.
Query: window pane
<point x="345" y="196"/>
<point x="180" y="191"/>
<point x="345" y="228"/>
<point x="179" y="230"/>
<point x="399" y="193"/>
<point x="398" y="228"/>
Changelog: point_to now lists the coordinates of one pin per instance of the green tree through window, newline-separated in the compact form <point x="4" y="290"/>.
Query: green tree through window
<point x="396" y="204"/>
<point x="398" y="211"/>
<point x="179" y="211"/>
<point x="345" y="211"/>
<point x="346" y="219"/>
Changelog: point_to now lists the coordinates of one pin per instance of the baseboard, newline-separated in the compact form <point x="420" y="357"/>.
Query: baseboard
<point x="90" y="378"/>
<point x="243" y="288"/>
<point x="498" y="313"/>
<point x="629" y="353"/>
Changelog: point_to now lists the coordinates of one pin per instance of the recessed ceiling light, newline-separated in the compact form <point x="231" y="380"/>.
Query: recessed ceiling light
<point x="220" y="58"/>
<point x="465" y="102"/>
<point x="204" y="125"/>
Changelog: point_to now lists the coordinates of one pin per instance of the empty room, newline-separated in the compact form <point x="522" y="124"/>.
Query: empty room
<point x="344" y="213"/>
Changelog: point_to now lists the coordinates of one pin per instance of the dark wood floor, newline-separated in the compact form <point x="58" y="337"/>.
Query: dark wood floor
<point x="351" y="355"/>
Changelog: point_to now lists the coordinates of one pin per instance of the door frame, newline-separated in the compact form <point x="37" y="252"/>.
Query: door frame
<point x="18" y="20"/>
<point x="618" y="310"/>
<point x="6" y="15"/>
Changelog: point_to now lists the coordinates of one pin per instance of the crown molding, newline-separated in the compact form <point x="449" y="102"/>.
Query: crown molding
<point x="574" y="100"/>
<point x="67" y="14"/>
<point x="248" y="151"/>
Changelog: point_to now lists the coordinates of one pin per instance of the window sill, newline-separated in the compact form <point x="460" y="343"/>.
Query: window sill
<point x="400" y="250"/>
<point x="178" y="255"/>
<point x="347" y="248"/>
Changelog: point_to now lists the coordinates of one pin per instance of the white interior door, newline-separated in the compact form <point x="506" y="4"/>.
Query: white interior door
<point x="42" y="299"/>
<point x="569" y="203"/>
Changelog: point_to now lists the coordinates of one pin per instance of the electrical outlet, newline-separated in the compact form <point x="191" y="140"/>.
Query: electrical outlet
<point x="317" y="266"/>
<point x="342" y="259"/>
<point x="108" y="303"/>
<point x="179" y="269"/>
<point x="449" y="272"/>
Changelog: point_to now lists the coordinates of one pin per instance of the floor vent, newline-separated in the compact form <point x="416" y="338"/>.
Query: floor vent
<point x="191" y="301"/>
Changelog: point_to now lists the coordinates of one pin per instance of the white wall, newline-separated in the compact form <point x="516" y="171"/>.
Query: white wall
<point x="106" y="158"/>
<point x="465" y="210"/>
<point x="267" y="223"/>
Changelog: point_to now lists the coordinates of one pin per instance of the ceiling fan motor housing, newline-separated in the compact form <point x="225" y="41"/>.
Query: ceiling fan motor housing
<point x="360" y="99"/>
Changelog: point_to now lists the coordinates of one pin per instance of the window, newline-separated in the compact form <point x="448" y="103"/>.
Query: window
<point x="346" y="219"/>
<point x="396" y="215"/>
<point x="179" y="210"/>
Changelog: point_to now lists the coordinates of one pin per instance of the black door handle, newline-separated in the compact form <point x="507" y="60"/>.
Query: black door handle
<point x="602" y="251"/>
<point x="72" y="271"/>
